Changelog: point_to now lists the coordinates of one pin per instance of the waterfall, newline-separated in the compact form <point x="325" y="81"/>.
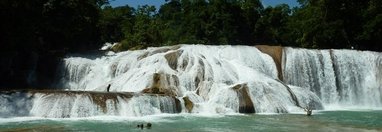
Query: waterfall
<point x="206" y="80"/>
<point x="312" y="69"/>
<point x="358" y="77"/>
<point x="340" y="78"/>
<point x="69" y="104"/>
<point x="202" y="76"/>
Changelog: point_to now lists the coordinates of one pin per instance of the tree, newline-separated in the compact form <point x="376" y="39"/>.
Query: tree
<point x="145" y="31"/>
<point x="42" y="25"/>
<point x="251" y="11"/>
<point x="194" y="21"/>
<point x="271" y="27"/>
<point x="31" y="33"/>
<point x="334" y="24"/>
<point x="315" y="24"/>
<point x="310" y="26"/>
<point x="170" y="18"/>
<point x="371" y="35"/>
<point x="70" y="24"/>
<point x="20" y="24"/>
<point x="115" y="22"/>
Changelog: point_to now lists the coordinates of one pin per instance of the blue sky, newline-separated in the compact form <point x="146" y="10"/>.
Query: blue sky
<point x="157" y="3"/>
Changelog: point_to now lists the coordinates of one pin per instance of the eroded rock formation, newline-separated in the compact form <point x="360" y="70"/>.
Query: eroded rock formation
<point x="188" y="104"/>
<point x="276" y="52"/>
<point x="172" y="58"/>
<point x="163" y="84"/>
<point x="245" y="102"/>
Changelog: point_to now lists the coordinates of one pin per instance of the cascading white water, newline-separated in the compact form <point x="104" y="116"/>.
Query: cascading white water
<point x="84" y="104"/>
<point x="204" y="79"/>
<point x="61" y="106"/>
<point x="204" y="74"/>
<point x="132" y="70"/>
<point x="229" y="79"/>
<point x="312" y="69"/>
<point x="358" y="77"/>
<point x="153" y="105"/>
<point x="341" y="78"/>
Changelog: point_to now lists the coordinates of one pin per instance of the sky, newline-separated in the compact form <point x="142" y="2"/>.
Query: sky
<point x="157" y="3"/>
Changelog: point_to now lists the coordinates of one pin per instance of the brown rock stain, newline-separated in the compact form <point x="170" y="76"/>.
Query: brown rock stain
<point x="276" y="52"/>
<point x="188" y="104"/>
<point x="245" y="102"/>
<point x="165" y="84"/>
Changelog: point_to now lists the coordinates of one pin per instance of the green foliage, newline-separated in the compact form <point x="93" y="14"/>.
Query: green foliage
<point x="371" y="35"/>
<point x="42" y="25"/>
<point x="336" y="24"/>
<point x="271" y="27"/>
<point x="85" y="24"/>
<point x="315" y="24"/>
<point x="145" y="31"/>
<point x="170" y="20"/>
<point x="114" y="22"/>
<point x="70" y="24"/>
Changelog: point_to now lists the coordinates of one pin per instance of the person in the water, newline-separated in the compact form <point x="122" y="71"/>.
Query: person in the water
<point x="308" y="111"/>
<point x="140" y="126"/>
<point x="148" y="125"/>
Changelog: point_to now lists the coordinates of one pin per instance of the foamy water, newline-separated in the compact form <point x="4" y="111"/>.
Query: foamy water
<point x="218" y="80"/>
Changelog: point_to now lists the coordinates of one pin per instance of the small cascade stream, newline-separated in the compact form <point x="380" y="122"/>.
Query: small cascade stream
<point x="341" y="78"/>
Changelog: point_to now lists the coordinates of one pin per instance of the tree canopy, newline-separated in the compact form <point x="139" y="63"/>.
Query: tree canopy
<point x="86" y="24"/>
<point x="50" y="24"/>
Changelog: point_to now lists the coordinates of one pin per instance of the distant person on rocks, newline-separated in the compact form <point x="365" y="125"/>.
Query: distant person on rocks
<point x="108" y="87"/>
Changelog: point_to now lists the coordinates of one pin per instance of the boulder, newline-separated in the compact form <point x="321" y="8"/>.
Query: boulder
<point x="276" y="52"/>
<point x="188" y="103"/>
<point x="163" y="84"/>
<point x="172" y="58"/>
<point x="245" y="102"/>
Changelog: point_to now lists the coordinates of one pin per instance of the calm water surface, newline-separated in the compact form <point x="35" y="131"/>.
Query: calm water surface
<point x="320" y="121"/>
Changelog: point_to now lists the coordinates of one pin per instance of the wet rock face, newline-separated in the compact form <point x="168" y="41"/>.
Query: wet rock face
<point x="276" y="52"/>
<point x="245" y="102"/>
<point x="188" y="103"/>
<point x="165" y="49"/>
<point x="163" y="84"/>
<point x="158" y="50"/>
<point x="172" y="58"/>
<point x="178" y="105"/>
